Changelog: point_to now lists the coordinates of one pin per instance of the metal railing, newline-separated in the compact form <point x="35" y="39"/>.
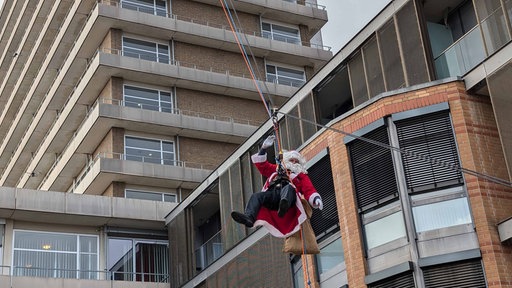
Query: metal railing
<point x="210" y="251"/>
<point x="102" y="275"/>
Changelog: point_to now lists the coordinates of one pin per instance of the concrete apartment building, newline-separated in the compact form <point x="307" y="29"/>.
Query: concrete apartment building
<point x="114" y="111"/>
<point x="407" y="131"/>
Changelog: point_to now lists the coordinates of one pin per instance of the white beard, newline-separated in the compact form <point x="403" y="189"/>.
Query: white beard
<point x="295" y="168"/>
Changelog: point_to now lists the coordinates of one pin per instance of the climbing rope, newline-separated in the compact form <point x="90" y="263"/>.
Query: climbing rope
<point x="272" y="115"/>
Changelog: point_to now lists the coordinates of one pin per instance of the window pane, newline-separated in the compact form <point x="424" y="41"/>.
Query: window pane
<point x="441" y="214"/>
<point x="143" y="195"/>
<point x="141" y="92"/>
<point x="139" y="45"/>
<point x="120" y="259"/>
<point x="384" y="230"/>
<point x="169" y="198"/>
<point x="143" y="143"/>
<point x="330" y="256"/>
<point x="45" y="241"/>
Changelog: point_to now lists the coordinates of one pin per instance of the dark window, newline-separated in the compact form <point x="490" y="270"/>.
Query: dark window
<point x="372" y="167"/>
<point x="458" y="274"/>
<point x="432" y="152"/>
<point x="325" y="220"/>
<point x="404" y="280"/>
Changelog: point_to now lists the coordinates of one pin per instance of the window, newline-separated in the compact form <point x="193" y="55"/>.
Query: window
<point x="467" y="273"/>
<point x="383" y="225"/>
<point x="155" y="7"/>
<point x="324" y="222"/>
<point x="285" y="76"/>
<point x="331" y="257"/>
<point x="298" y="273"/>
<point x="440" y="209"/>
<point x="145" y="50"/>
<point x="148" y="99"/>
<point x="138" y="260"/>
<point x="280" y="33"/>
<point x="55" y="255"/>
<point x="153" y="196"/>
<point x="149" y="150"/>
<point x="376" y="188"/>
<point x="2" y="233"/>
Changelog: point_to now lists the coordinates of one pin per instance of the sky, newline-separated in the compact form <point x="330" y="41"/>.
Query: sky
<point x="346" y="18"/>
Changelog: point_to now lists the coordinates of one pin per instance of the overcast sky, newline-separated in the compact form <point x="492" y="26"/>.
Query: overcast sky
<point x="346" y="18"/>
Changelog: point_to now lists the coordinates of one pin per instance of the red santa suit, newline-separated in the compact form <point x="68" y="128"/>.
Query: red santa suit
<point x="287" y="225"/>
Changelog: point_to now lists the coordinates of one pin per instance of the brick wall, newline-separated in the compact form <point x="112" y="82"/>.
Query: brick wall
<point x="480" y="150"/>
<point x="214" y="15"/>
<point x="204" y="151"/>
<point x="220" y="105"/>
<point x="220" y="61"/>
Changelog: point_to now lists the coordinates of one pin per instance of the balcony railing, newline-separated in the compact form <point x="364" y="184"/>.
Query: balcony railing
<point x="462" y="56"/>
<point x="217" y="25"/>
<point x="210" y="251"/>
<point x="137" y="158"/>
<point x="45" y="272"/>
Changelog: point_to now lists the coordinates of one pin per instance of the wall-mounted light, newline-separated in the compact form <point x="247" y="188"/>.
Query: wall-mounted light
<point x="47" y="246"/>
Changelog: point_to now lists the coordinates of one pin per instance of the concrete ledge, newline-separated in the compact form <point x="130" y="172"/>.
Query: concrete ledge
<point x="91" y="210"/>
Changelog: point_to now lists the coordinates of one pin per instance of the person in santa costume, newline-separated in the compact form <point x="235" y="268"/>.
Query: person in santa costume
<point x="276" y="206"/>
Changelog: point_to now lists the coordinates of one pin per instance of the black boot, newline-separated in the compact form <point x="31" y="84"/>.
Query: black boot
<point x="241" y="218"/>
<point x="287" y="195"/>
<point x="284" y="205"/>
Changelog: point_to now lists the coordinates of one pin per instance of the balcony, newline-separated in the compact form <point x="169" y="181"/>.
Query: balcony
<point x="295" y="12"/>
<point x="196" y="31"/>
<point x="462" y="56"/>
<point x="108" y="167"/>
<point x="108" y="113"/>
<point x="209" y="251"/>
<point x="96" y="75"/>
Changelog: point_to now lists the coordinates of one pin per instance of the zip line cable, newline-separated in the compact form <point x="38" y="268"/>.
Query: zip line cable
<point x="416" y="155"/>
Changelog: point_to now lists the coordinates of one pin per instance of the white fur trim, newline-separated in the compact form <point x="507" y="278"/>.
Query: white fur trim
<point x="312" y="198"/>
<point x="256" y="158"/>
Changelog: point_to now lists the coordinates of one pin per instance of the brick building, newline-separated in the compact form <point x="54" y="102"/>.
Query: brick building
<point x="127" y="105"/>
<point x="407" y="134"/>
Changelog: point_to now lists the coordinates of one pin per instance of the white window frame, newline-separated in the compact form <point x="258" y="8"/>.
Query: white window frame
<point x="159" y="107"/>
<point x="140" y="7"/>
<point x="163" y="161"/>
<point x="77" y="252"/>
<point x="143" y="54"/>
<point x="162" y="194"/>
<point x="276" y="34"/>
<point x="282" y="79"/>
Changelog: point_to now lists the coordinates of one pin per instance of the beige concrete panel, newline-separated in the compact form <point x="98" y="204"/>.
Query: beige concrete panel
<point x="7" y="201"/>
<point x="91" y="205"/>
<point x="131" y="208"/>
<point x="37" y="201"/>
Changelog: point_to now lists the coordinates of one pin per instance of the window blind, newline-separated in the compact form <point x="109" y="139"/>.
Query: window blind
<point x="372" y="168"/>
<point x="459" y="274"/>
